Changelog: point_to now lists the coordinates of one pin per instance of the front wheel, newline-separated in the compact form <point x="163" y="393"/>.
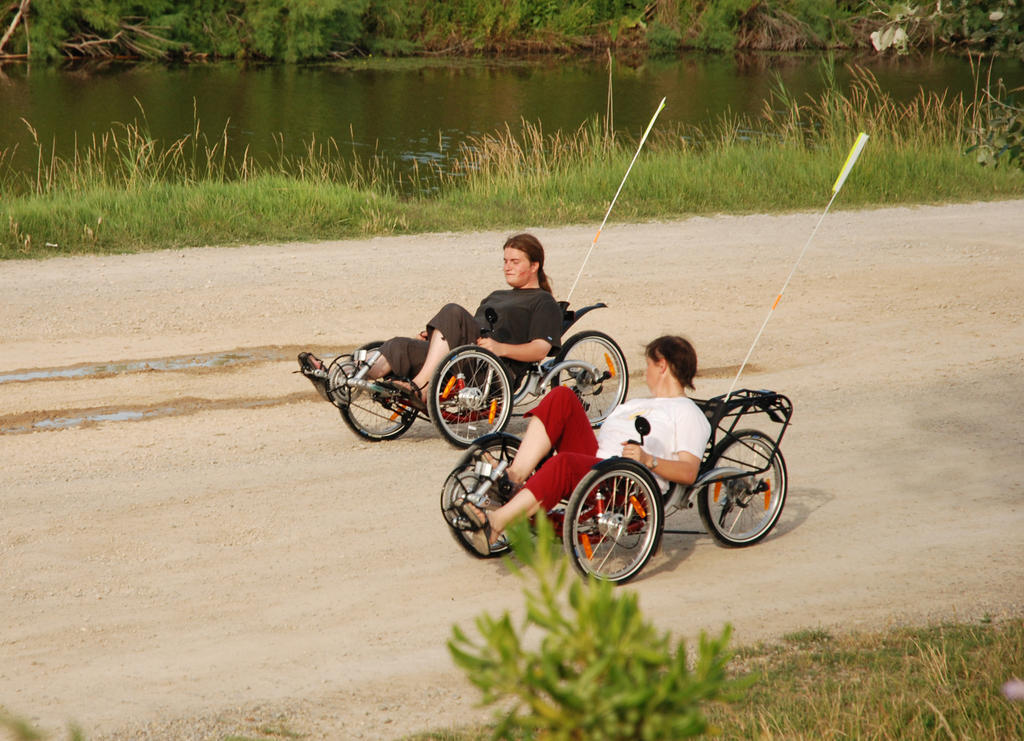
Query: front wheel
<point x="601" y="378"/>
<point x="470" y="395"/>
<point x="475" y="466"/>
<point x="369" y="414"/>
<point x="741" y="511"/>
<point x="613" y="521"/>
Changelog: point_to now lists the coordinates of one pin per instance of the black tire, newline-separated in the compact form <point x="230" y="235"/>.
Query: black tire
<point x="369" y="415"/>
<point x="617" y="543"/>
<point x="599" y="395"/>
<point x="742" y="511"/>
<point x="470" y="395"/>
<point x="465" y="478"/>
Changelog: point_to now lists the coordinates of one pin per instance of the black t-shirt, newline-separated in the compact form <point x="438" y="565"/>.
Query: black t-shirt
<point x="524" y="315"/>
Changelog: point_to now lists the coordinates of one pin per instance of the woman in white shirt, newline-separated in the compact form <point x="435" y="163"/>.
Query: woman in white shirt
<point x="672" y="450"/>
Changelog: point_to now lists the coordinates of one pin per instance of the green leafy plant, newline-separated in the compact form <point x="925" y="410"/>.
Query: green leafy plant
<point x="18" y="729"/>
<point x="982" y="25"/>
<point x="718" y="25"/>
<point x="998" y="128"/>
<point x="600" y="671"/>
<point x="663" y="40"/>
<point x="899" y="21"/>
<point x="994" y="25"/>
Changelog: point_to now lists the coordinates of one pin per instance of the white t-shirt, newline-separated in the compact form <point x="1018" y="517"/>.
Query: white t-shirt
<point x="677" y="425"/>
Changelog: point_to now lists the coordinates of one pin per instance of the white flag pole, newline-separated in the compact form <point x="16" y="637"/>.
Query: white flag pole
<point x="608" y="212"/>
<point x="851" y="159"/>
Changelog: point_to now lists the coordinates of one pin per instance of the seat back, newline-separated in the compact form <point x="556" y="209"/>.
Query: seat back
<point x="571" y="316"/>
<point x="568" y="316"/>
<point x="766" y="411"/>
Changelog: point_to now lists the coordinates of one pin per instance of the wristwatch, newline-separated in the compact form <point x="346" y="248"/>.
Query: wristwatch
<point x="654" y="462"/>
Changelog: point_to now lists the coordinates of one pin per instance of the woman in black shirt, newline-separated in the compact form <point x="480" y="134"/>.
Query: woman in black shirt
<point x="528" y="324"/>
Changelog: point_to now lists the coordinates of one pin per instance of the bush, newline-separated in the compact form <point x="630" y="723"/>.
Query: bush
<point x="601" y="672"/>
<point x="719" y="24"/>
<point x="998" y="129"/>
<point x="662" y="40"/>
<point x="991" y="25"/>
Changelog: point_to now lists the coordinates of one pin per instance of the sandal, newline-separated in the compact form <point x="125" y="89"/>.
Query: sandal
<point x="480" y="536"/>
<point x="313" y="368"/>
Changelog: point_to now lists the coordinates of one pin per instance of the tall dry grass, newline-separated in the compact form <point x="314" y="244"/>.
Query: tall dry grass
<point x="174" y="194"/>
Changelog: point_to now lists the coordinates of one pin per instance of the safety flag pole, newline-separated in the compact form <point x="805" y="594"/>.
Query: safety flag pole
<point x="608" y="212"/>
<point x="851" y="159"/>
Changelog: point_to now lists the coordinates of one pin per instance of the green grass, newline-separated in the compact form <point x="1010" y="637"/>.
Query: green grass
<point x="125" y="192"/>
<point x="736" y="178"/>
<point x="938" y="682"/>
<point x="923" y="683"/>
<point x="914" y="683"/>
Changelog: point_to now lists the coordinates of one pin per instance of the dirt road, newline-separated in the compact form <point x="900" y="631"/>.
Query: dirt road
<point x="192" y="543"/>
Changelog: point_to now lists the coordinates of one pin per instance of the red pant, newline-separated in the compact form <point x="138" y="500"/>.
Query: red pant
<point x="574" y="442"/>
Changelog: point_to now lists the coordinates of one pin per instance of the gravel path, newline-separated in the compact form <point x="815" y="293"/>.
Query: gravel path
<point x="193" y="544"/>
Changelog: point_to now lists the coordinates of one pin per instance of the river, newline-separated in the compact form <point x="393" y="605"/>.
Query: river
<point x="417" y="111"/>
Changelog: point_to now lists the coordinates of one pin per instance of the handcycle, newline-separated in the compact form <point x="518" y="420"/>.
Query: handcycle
<point x="473" y="392"/>
<point x="613" y="520"/>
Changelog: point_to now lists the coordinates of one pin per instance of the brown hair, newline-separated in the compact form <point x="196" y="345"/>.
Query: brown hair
<point x="680" y="355"/>
<point x="530" y="246"/>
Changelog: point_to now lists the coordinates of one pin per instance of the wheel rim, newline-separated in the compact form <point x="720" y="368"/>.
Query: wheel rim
<point x="464" y="479"/>
<point x="373" y="418"/>
<point x="363" y="411"/>
<point x="471" y="396"/>
<point x="599" y="397"/>
<point x="746" y="508"/>
<point x="616" y="543"/>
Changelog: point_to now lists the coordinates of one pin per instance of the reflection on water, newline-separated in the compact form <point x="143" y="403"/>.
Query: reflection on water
<point x="61" y="419"/>
<point x="417" y="113"/>
<point x="19" y="424"/>
<point x="64" y="422"/>
<point x="208" y="360"/>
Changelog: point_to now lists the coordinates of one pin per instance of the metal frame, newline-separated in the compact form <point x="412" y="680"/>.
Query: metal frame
<point x="724" y="413"/>
<point x="533" y="377"/>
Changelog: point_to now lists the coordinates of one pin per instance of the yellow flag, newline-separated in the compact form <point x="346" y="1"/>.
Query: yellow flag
<point x="858" y="145"/>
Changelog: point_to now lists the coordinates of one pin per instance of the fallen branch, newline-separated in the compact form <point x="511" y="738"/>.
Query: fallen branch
<point x="91" y="45"/>
<point x="130" y="40"/>
<point x="18" y="15"/>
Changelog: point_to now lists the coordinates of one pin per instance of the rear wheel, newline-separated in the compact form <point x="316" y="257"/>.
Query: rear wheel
<point x="370" y="415"/>
<point x="470" y="395"/>
<point x="742" y="511"/>
<point x="613" y="521"/>
<point x="475" y="466"/>
<point x="601" y="380"/>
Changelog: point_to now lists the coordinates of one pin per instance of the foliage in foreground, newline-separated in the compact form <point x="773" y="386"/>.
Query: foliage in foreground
<point x="18" y="729"/>
<point x="600" y="671"/>
<point x="951" y="680"/>
<point x="914" y="684"/>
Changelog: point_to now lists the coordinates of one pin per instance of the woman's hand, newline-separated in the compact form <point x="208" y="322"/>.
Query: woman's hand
<point x="489" y="344"/>
<point x="680" y="467"/>
<point x="636" y="453"/>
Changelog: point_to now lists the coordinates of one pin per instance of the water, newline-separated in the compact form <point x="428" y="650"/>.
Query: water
<point x="415" y="112"/>
<point x="13" y="424"/>
<point x="190" y="362"/>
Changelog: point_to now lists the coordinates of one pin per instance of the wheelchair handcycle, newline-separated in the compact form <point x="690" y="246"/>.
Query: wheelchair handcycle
<point x="612" y="522"/>
<point x="473" y="392"/>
